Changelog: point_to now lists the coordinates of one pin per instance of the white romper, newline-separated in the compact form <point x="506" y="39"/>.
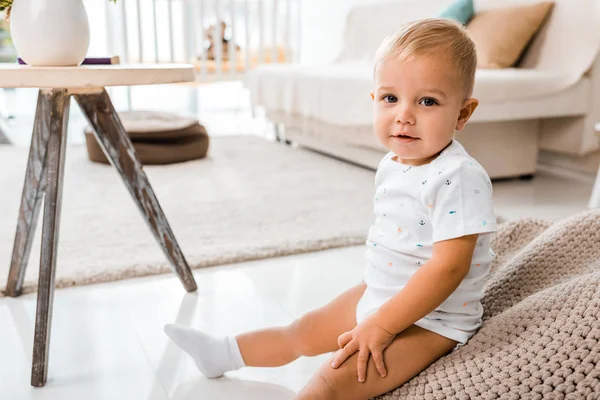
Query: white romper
<point x="415" y="207"/>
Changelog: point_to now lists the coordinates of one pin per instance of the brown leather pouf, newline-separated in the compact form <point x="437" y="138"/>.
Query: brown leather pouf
<point x="158" y="138"/>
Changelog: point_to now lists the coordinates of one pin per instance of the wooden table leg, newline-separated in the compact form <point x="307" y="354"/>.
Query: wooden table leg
<point x="115" y="142"/>
<point x="56" y="118"/>
<point x="31" y="199"/>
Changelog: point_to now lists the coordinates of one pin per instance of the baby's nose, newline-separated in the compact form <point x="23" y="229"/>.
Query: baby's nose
<point x="405" y="116"/>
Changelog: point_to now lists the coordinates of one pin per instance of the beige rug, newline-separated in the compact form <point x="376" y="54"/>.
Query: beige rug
<point x="250" y="199"/>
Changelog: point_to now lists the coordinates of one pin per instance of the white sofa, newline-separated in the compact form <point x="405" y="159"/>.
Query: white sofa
<point x="551" y="101"/>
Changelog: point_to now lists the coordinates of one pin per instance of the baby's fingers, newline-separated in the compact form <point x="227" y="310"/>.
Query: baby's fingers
<point x="344" y="339"/>
<point x="363" y="358"/>
<point x="379" y="364"/>
<point x="342" y="354"/>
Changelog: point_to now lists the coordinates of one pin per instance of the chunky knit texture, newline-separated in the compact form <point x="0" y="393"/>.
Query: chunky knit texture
<point x="540" y="338"/>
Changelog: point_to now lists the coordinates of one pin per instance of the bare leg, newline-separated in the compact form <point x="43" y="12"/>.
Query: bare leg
<point x="411" y="352"/>
<point x="314" y="333"/>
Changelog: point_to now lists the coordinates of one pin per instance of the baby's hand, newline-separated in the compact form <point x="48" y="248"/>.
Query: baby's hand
<point x="367" y="338"/>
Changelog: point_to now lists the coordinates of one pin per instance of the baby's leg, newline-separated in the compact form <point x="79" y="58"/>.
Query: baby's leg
<point x="412" y="351"/>
<point x="314" y="333"/>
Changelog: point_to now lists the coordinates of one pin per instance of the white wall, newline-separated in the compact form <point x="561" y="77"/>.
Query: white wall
<point x="322" y="28"/>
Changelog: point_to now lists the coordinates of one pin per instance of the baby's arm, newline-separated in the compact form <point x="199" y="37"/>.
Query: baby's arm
<point x="430" y="286"/>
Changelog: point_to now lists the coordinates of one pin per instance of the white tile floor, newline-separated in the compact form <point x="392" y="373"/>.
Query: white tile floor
<point x="107" y="340"/>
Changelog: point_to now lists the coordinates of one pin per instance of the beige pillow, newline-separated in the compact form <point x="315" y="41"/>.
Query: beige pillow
<point x="501" y="34"/>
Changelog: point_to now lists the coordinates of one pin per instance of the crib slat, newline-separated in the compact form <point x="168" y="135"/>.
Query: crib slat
<point x="198" y="49"/>
<point x="287" y="45"/>
<point x="125" y="39"/>
<point x="110" y="37"/>
<point x="171" y="39"/>
<point x="274" y="21"/>
<point x="261" y="32"/>
<point x="218" y="40"/>
<point x="201" y="38"/>
<point x="247" y="31"/>
<point x="298" y="30"/>
<point x="155" y="30"/>
<point x="232" y="42"/>
<point x="189" y="36"/>
<point x="139" y="29"/>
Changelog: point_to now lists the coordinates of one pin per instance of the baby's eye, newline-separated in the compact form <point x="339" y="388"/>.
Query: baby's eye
<point x="390" y="98"/>
<point x="428" y="102"/>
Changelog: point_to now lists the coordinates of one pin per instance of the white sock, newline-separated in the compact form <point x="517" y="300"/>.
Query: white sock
<point x="213" y="355"/>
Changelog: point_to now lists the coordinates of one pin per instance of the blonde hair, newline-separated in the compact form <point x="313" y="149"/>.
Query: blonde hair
<point x="433" y="36"/>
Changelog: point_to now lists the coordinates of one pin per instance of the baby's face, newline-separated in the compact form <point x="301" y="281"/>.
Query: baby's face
<point x="418" y="105"/>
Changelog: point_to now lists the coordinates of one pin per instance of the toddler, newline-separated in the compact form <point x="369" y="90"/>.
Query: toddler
<point x="428" y="251"/>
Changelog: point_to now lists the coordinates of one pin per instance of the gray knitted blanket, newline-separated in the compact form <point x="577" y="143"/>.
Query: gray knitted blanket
<point x="540" y="338"/>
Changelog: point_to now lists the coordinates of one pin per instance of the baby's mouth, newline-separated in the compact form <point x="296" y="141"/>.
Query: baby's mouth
<point x="403" y="136"/>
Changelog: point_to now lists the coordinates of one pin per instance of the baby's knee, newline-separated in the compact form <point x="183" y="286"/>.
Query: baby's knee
<point x="304" y="331"/>
<point x="322" y="386"/>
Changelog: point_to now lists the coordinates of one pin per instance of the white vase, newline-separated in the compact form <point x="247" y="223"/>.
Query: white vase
<point x="50" y="32"/>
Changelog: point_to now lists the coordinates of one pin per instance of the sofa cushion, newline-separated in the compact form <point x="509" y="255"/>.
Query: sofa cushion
<point x="501" y="34"/>
<point x="460" y="10"/>
<point x="508" y="84"/>
<point x="570" y="102"/>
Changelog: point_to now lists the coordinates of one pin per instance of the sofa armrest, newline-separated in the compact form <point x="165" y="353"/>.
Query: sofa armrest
<point x="367" y="25"/>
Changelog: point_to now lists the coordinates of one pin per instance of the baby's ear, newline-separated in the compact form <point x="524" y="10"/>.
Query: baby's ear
<point x="466" y="111"/>
<point x="372" y="96"/>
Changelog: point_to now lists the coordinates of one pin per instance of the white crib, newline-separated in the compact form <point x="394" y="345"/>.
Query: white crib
<point x="257" y="32"/>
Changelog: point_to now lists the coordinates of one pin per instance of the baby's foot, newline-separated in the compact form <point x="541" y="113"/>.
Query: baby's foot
<point x="213" y="356"/>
